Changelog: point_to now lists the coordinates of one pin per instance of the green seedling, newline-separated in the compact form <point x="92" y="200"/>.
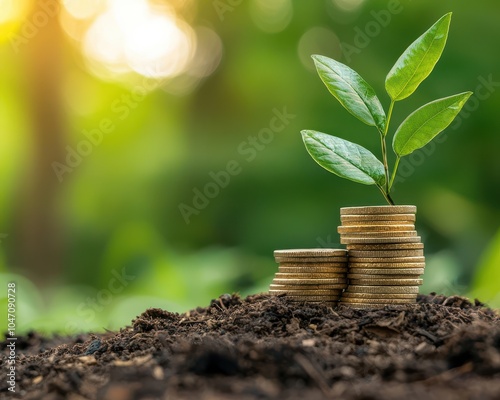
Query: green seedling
<point x="354" y="162"/>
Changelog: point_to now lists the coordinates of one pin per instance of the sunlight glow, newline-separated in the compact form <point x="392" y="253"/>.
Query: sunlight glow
<point x="10" y="10"/>
<point x="127" y="13"/>
<point x="134" y="37"/>
<point x="12" y="15"/>
<point x="126" y="40"/>
<point x="83" y="9"/>
<point x="159" y="47"/>
<point x="74" y="28"/>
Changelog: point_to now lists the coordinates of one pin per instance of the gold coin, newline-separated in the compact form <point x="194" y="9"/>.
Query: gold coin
<point x="370" y="306"/>
<point x="379" y="301"/>
<point x="361" y="306"/>
<point x="384" y="265"/>
<point x="374" y="240"/>
<point x="329" y="275"/>
<point x="386" y="282"/>
<point x="382" y="289"/>
<point x="374" y="229"/>
<point x="324" y="303"/>
<point x="330" y="287"/>
<point x="301" y="269"/>
<point x="370" y="224"/>
<point x="385" y="246"/>
<point x="310" y="253"/>
<point x="408" y="233"/>
<point x="387" y="253"/>
<point x="316" y="301"/>
<point x="379" y="295"/>
<point x="382" y="219"/>
<point x="306" y="293"/>
<point x="387" y="271"/>
<point x="383" y="277"/>
<point x="325" y="265"/>
<point x="313" y="298"/>
<point x="314" y="292"/>
<point x="384" y="260"/>
<point x="333" y="282"/>
<point x="378" y="210"/>
<point x="311" y="260"/>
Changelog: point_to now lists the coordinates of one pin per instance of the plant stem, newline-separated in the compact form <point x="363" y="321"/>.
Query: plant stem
<point x="389" y="199"/>
<point x="384" y="152"/>
<point x="394" y="172"/>
<point x="386" y="165"/>
<point x="389" y="115"/>
<point x="386" y="195"/>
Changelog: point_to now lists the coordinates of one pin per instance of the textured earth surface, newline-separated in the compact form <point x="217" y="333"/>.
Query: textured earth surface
<point x="266" y="347"/>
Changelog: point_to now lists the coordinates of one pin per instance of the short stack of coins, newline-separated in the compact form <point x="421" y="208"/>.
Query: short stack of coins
<point x="311" y="275"/>
<point x="386" y="257"/>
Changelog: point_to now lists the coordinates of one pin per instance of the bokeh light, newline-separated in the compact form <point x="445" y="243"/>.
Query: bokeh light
<point x="205" y="61"/>
<point x="318" y="40"/>
<point x="159" y="46"/>
<point x="145" y="38"/>
<point x="271" y="16"/>
<point x="84" y="9"/>
<point x="134" y="37"/>
<point x="344" y="12"/>
<point x="348" y="5"/>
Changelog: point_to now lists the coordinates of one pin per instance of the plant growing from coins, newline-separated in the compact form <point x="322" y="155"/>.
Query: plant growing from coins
<point x="354" y="162"/>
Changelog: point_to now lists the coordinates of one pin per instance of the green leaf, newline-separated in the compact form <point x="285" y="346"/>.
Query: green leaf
<point x="418" y="60"/>
<point x="345" y="159"/>
<point x="351" y="90"/>
<point x="425" y="123"/>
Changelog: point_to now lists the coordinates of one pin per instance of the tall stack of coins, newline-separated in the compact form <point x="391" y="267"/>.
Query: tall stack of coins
<point x="386" y="257"/>
<point x="312" y="275"/>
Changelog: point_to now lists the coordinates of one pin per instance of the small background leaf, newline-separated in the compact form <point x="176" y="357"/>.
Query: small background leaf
<point x="418" y="60"/>
<point x="343" y="158"/>
<point x="425" y="123"/>
<point x="351" y="90"/>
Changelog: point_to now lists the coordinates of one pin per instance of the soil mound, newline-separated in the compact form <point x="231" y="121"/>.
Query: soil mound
<point x="265" y="347"/>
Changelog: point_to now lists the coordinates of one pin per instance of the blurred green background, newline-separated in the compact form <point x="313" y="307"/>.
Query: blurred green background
<point x="114" y="114"/>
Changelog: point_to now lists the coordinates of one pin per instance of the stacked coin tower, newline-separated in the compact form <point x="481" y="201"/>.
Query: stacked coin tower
<point x="312" y="275"/>
<point x="386" y="257"/>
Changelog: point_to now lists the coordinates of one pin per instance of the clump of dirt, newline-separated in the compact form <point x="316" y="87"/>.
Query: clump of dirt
<point x="265" y="347"/>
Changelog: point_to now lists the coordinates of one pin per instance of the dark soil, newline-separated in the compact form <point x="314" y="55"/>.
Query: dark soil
<point x="265" y="347"/>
